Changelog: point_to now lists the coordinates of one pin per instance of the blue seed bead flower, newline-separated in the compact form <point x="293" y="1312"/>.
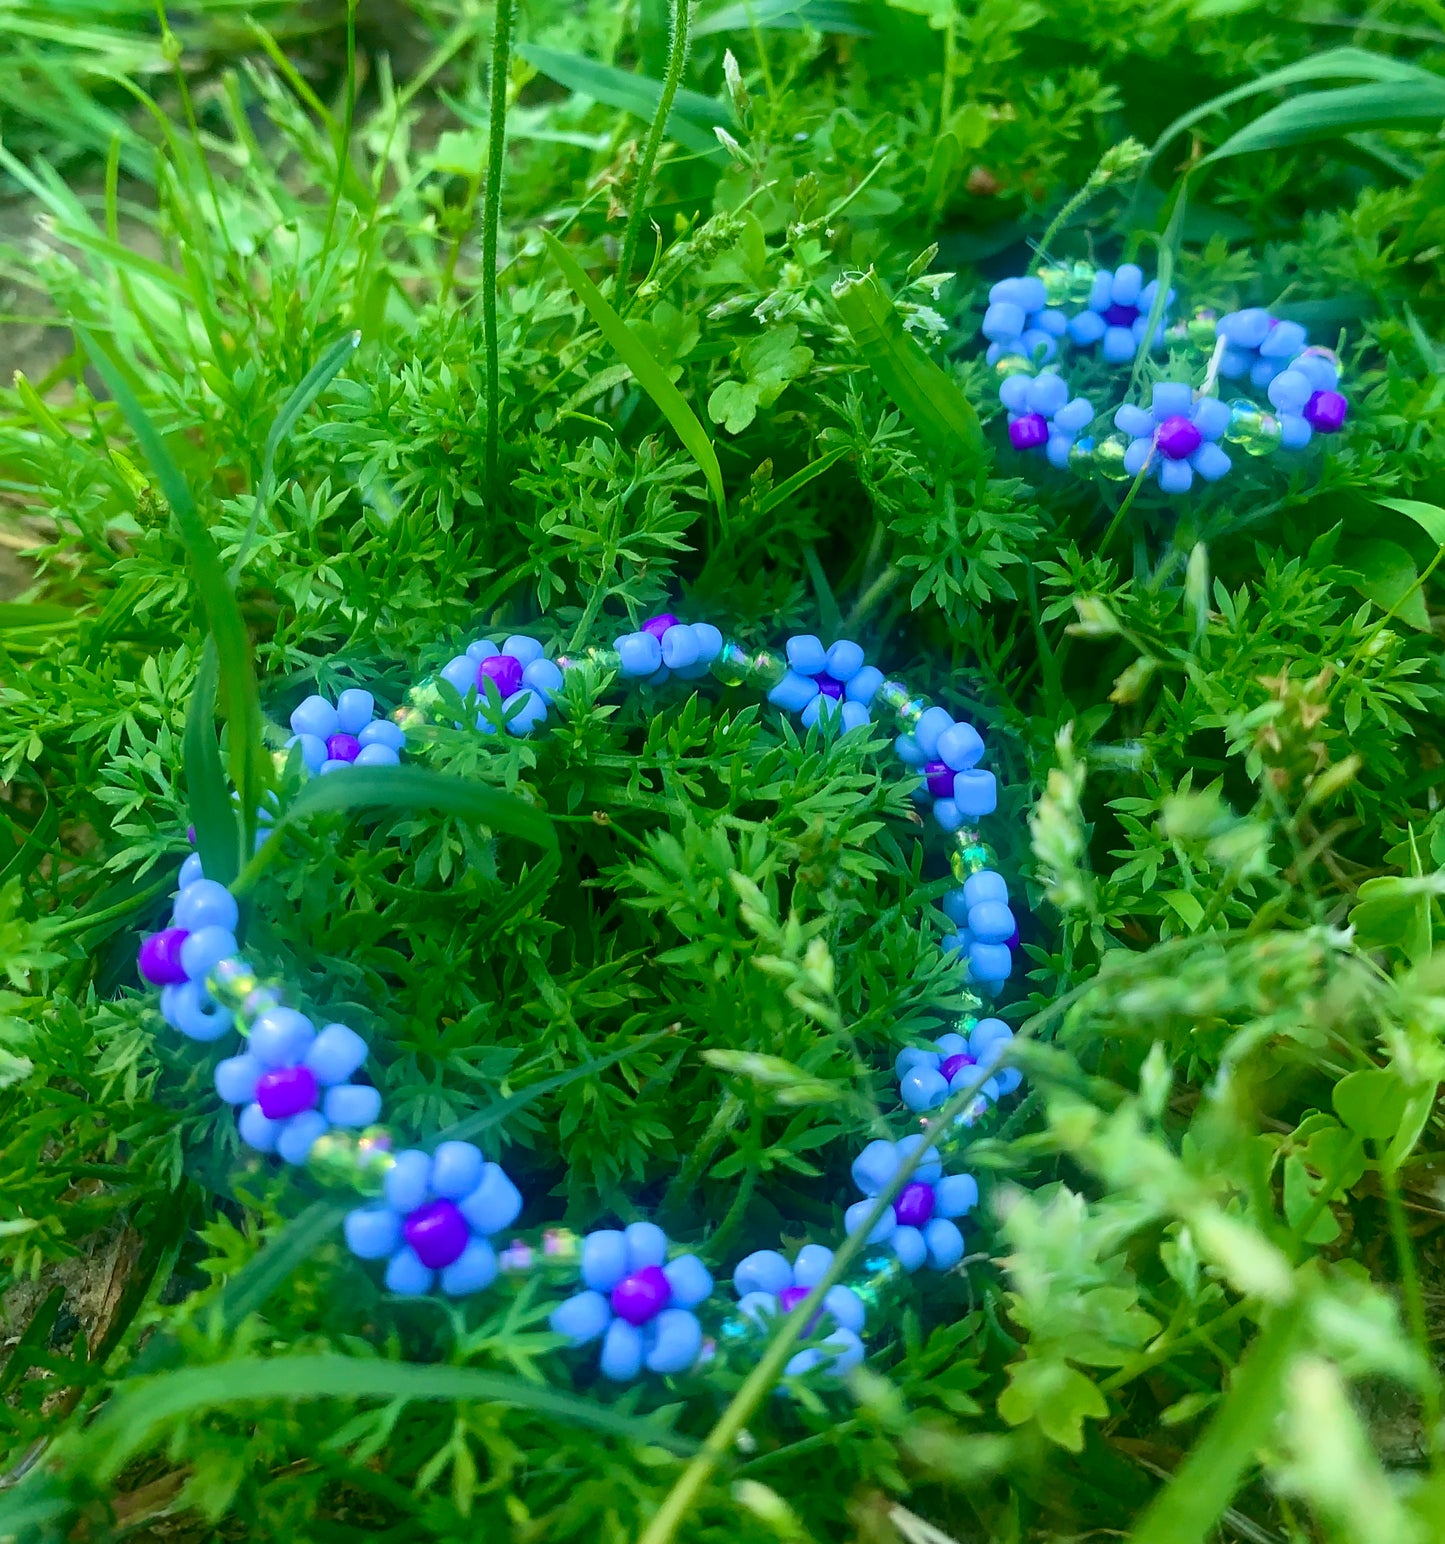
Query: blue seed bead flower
<point x="1180" y="432"/>
<point x="1042" y="415"/>
<point x="769" y="1287"/>
<point x="1020" y="322"/>
<point x="918" y="1226"/>
<point x="640" y="1306"/>
<point x="1257" y="345"/>
<point x="435" y="1220"/>
<point x="296" y="1084"/>
<point x="1308" y="398"/>
<point x="346" y="733"/>
<point x="929" y="1078"/>
<point x="519" y="671"/>
<point x="1117" y="313"/>
<point x="833" y="684"/>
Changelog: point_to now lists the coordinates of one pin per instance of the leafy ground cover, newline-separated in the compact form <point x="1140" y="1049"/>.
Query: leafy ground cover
<point x="1207" y="1294"/>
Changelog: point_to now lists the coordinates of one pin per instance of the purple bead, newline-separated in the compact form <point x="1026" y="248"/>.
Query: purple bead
<point x="438" y="1232"/>
<point x="828" y="686"/>
<point x="788" y="1300"/>
<point x="1013" y="938"/>
<point x="286" y="1092"/>
<point x="160" y="957"/>
<point x="1028" y="432"/>
<point x="343" y="747"/>
<point x="1177" y="437"/>
<point x="940" y="779"/>
<point x="955" y="1064"/>
<point x="1121" y="316"/>
<point x="504" y="671"/>
<point x="915" y="1206"/>
<point x="642" y="1295"/>
<point x="191" y="835"/>
<point x="1326" y="411"/>
<point x="658" y="625"/>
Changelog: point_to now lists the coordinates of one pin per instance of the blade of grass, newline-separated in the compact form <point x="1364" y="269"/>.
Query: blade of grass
<point x="217" y="839"/>
<point x="645" y="371"/>
<point x="843" y="17"/>
<point x="799" y="480"/>
<point x="1329" y="114"/>
<point x="491" y="217"/>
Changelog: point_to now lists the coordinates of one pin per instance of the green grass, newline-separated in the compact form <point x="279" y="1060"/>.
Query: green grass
<point x="1206" y="1286"/>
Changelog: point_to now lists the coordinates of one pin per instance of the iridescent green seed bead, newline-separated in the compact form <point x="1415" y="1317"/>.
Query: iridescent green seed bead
<point x="970" y="857"/>
<point x="1081" y="281"/>
<point x="235" y="985"/>
<point x="733" y="664"/>
<point x="1012" y="364"/>
<point x="879" y="1276"/>
<point x="1200" y="329"/>
<point x="767" y="668"/>
<point x="1109" y="457"/>
<point x="1081" y="454"/>
<point x="352" y="1160"/>
<point x="1255" y="431"/>
<point x="1058" y="284"/>
<point x="911" y="712"/>
<point x="893" y="695"/>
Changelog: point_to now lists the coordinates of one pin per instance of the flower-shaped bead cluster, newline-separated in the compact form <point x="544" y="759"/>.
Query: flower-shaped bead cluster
<point x="295" y="1084"/>
<point x="664" y="647"/>
<point x="833" y="684"/>
<point x="918" y="1226"/>
<point x="1178" y="436"/>
<point x="637" y="1301"/>
<point x="180" y="957"/>
<point x="435" y="1220"/>
<point x="987" y="929"/>
<point x="344" y="733"/>
<point x="1307" y="395"/>
<point x="1116" y="315"/>
<point x="948" y="756"/>
<point x="1042" y="416"/>
<point x="929" y="1078"/>
<point x="514" y="681"/>
<point x="1019" y="321"/>
<point x="768" y="1287"/>
<point x="1257" y="345"/>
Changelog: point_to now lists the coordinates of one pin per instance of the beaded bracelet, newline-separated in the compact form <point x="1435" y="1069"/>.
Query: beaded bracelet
<point x="1178" y="435"/>
<point x="438" y="1220"/>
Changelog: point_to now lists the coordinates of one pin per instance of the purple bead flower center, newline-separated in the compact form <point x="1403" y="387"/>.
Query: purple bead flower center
<point x="788" y="1300"/>
<point x="1177" y="437"/>
<point x="659" y="624"/>
<point x="438" y="1232"/>
<point x="940" y="779"/>
<point x="915" y="1206"/>
<point x="286" y="1092"/>
<point x="642" y="1295"/>
<point x="955" y="1064"/>
<point x="1121" y="316"/>
<point x="343" y="747"/>
<point x="828" y="686"/>
<point x="1028" y="432"/>
<point x="1326" y="411"/>
<point x="504" y="671"/>
<point x="160" y="957"/>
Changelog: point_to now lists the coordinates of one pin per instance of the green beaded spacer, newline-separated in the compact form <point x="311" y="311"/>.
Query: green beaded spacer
<point x="351" y="1160"/>
<point x="1255" y="431"/>
<point x="1081" y="454"/>
<point x="768" y="667"/>
<point x="235" y="984"/>
<point x="1109" y="456"/>
<point x="557" y="1255"/>
<point x="1200" y="329"/>
<point x="733" y="663"/>
<point x="879" y="1277"/>
<point x="969" y="856"/>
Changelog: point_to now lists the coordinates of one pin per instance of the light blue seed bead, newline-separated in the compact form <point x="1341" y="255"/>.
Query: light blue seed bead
<point x="803" y="1361"/>
<point x="986" y="885"/>
<point x="960" y="747"/>
<point x="857" y="1215"/>
<point x="863" y="687"/>
<point x="1172" y="398"/>
<point x="192" y="1010"/>
<point x="352" y="1105"/>
<point x="640" y="654"/>
<point x="376" y="756"/>
<point x="847" y="1351"/>
<point x="913" y="1056"/>
<point x="820" y="707"/>
<point x="958" y="941"/>
<point x="922" y="1088"/>
<point x="806" y="654"/>
<point x="1002" y="321"/>
<point x="845" y="660"/>
<point x="1027" y="292"/>
<point x="314" y="716"/>
<point x="765" y="1270"/>
<point x="646" y="1245"/>
<point x="1210" y="461"/>
<point x="456" y="1169"/>
<point x="955" y="905"/>
<point x="530" y="710"/>
<point x="372" y="1232"/>
<point x="1101" y="291"/>
<point x="482" y="649"/>
<point x="875" y="1166"/>
<point x="908" y="1245"/>
<point x="1318" y="370"/>
<point x="298" y="1136"/>
<point x="1074" y="416"/>
<point x="407" y="1276"/>
<point x="930" y="1169"/>
<point x="909" y="751"/>
<point x="1211" y="417"/>
<point x="854" y="716"/>
<point x="1245" y="329"/>
<point x="236" y="1078"/>
<point x="676" y="1339"/>
<point x="191" y="871"/>
<point x="1086" y="328"/>
<point x="381" y="731"/>
<point x="1052" y="321"/>
<point x="989" y="1091"/>
<point x="1013" y="392"/>
<point x="256" y="1131"/>
<point x="621" y="1358"/>
<point x="811" y="1265"/>
<point x="1295" y="431"/>
<point x="522" y="648"/>
<point x="988" y="1037"/>
<point x="1118" y="345"/>
<point x="1283" y="341"/>
<point x="943" y="1242"/>
<point x="934" y="723"/>
<point x="354" y="710"/>
<point x="991" y="922"/>
<point x="1175" y="476"/>
<point x="1008" y="1079"/>
<point x="495" y="1204"/>
<point x="1048" y="392"/>
<point x="206" y="904"/>
<point x="581" y="1318"/>
<point x="948" y="815"/>
<point x="1132" y="419"/>
<point x="335" y="1054"/>
<point x="460" y="674"/>
<point x="543" y="676"/>
<point x="204" y="948"/>
<point x="955" y="1195"/>
<point x="679" y="647"/>
<point x="950" y="1044"/>
<point x="990" y="962"/>
<point x="329" y="766"/>
<point x="280" y="1037"/>
<point x="408" y="1180"/>
<point x="1128" y="282"/>
<point x="1136" y="455"/>
<point x="313" y="751"/>
<point x="1290" y="390"/>
<point x="473" y="1270"/>
<point x="659" y="676"/>
<point x="689" y="1279"/>
<point x="1263" y="371"/>
<point x="1037" y="344"/>
<point x="794" y="692"/>
<point x="709" y="641"/>
<point x="975" y="792"/>
<point x="846" y="1307"/>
